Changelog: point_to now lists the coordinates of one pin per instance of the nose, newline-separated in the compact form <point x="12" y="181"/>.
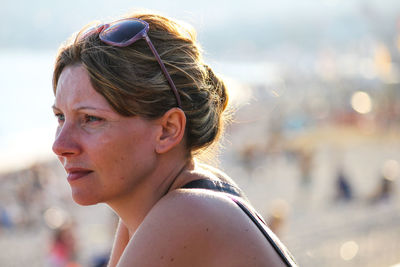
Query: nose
<point x="66" y="143"/>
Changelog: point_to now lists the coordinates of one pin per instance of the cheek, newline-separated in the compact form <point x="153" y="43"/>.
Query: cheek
<point x="121" y="154"/>
<point x="126" y="166"/>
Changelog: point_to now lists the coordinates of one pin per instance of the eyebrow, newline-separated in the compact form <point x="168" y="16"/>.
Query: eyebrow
<point x="54" y="107"/>
<point x="83" y="108"/>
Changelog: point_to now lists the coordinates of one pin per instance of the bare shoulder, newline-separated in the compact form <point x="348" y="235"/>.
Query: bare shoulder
<point x="195" y="227"/>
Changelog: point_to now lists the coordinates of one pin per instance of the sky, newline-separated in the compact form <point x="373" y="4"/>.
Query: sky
<point x="44" y="24"/>
<point x="238" y="38"/>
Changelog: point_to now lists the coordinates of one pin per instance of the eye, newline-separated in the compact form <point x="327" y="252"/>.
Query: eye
<point x="90" y="119"/>
<point x="60" y="117"/>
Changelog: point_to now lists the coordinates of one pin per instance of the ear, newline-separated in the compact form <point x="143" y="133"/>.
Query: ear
<point x="173" y="125"/>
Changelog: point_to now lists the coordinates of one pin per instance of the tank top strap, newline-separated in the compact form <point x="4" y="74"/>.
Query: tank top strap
<point x="214" y="185"/>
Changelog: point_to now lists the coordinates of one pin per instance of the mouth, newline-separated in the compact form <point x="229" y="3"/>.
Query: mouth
<point x="75" y="174"/>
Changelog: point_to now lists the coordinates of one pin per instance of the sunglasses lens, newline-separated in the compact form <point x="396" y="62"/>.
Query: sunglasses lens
<point x="122" y="31"/>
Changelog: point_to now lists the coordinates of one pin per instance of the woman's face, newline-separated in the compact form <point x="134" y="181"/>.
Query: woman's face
<point x="106" y="156"/>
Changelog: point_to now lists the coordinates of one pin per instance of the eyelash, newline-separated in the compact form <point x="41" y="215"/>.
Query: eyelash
<point x="60" y="117"/>
<point x="90" y="118"/>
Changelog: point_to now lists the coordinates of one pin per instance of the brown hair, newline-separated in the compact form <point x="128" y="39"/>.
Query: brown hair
<point x="132" y="82"/>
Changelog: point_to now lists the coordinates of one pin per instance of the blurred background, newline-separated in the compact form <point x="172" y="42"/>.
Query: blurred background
<point x="315" y="141"/>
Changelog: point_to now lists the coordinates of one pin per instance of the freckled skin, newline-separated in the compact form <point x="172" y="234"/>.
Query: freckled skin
<point x="117" y="149"/>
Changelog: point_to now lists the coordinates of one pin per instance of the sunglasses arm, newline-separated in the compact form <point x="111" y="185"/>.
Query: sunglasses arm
<point x="164" y="70"/>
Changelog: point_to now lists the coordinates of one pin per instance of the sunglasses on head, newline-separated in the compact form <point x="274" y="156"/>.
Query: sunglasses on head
<point x="125" y="32"/>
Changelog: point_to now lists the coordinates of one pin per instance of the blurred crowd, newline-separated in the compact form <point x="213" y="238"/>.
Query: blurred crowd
<point x="37" y="200"/>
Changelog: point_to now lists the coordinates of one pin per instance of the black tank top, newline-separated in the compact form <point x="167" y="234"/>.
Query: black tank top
<point x="237" y="196"/>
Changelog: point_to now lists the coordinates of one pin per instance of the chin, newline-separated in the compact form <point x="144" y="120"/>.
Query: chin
<point x="84" y="199"/>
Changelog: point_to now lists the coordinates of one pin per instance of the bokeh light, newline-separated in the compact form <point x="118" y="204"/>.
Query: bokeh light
<point x="348" y="250"/>
<point x="391" y="169"/>
<point x="383" y="60"/>
<point x="55" y="217"/>
<point x="361" y="102"/>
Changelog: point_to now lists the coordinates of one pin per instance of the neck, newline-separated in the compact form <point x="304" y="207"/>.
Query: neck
<point x="133" y="207"/>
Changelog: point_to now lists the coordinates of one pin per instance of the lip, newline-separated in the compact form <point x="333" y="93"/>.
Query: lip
<point x="77" y="173"/>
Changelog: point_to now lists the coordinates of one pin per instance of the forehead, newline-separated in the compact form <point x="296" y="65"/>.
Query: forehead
<point x="74" y="89"/>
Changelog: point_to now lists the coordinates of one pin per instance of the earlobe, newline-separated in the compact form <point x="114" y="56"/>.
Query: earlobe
<point x="173" y="124"/>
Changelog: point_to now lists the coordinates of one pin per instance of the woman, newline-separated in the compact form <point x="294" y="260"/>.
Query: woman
<point x="132" y="119"/>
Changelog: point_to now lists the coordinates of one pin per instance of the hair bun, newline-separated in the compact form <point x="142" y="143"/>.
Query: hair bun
<point x="221" y="98"/>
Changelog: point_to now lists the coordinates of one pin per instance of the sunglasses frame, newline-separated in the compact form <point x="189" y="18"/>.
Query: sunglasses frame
<point x="102" y="30"/>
